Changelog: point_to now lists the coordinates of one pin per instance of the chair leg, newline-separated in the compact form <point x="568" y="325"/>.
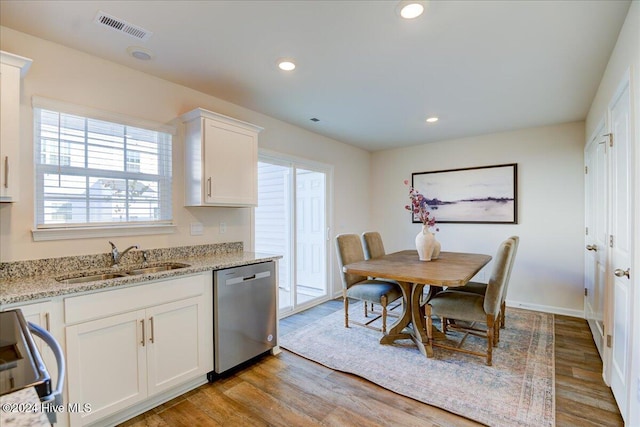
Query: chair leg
<point x="496" y="335"/>
<point x="365" y="308"/>
<point x="383" y="302"/>
<point x="346" y="311"/>
<point x="490" y="332"/>
<point x="429" y="326"/>
<point x="503" y="308"/>
<point x="444" y="321"/>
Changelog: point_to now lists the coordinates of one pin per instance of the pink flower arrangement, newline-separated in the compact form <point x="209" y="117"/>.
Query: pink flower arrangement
<point x="419" y="207"/>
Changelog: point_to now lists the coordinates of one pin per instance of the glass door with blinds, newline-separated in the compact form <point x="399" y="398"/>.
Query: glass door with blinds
<point x="291" y="219"/>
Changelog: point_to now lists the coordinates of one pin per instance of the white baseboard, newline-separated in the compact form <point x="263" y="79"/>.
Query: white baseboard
<point x="546" y="308"/>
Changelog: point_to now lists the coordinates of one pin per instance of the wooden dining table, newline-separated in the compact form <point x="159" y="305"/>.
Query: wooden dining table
<point x="450" y="269"/>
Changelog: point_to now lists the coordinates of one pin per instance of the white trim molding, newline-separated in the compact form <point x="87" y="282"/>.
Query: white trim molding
<point x="44" y="234"/>
<point x="546" y="308"/>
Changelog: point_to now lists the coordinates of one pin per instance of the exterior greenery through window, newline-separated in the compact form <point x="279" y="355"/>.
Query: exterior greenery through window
<point x="93" y="172"/>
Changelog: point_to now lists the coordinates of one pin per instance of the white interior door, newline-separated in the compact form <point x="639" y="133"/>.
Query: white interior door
<point x="621" y="157"/>
<point x="596" y="236"/>
<point x="311" y="236"/>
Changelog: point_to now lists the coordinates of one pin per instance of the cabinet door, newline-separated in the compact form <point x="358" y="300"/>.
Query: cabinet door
<point x="107" y="364"/>
<point x="176" y="343"/>
<point x="230" y="164"/>
<point x="9" y="131"/>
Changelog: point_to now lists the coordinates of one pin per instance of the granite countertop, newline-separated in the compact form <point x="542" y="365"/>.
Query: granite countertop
<point x="28" y="285"/>
<point x="22" y="409"/>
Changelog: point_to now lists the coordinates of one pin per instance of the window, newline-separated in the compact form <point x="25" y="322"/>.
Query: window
<point x="95" y="172"/>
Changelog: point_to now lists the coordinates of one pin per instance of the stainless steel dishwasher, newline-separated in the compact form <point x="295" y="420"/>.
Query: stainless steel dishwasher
<point x="244" y="314"/>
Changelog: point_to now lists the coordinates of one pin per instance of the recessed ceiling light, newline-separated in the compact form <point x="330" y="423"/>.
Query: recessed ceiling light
<point x="411" y="9"/>
<point x="286" y="64"/>
<point x="140" y="53"/>
<point x="432" y="119"/>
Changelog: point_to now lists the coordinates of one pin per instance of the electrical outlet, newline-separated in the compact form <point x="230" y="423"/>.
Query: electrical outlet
<point x="196" y="229"/>
<point x="223" y="227"/>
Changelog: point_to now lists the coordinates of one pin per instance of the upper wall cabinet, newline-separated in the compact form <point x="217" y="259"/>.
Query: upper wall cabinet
<point x="221" y="160"/>
<point x="12" y="69"/>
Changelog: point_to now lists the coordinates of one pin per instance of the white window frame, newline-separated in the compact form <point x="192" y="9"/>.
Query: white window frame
<point x="78" y="231"/>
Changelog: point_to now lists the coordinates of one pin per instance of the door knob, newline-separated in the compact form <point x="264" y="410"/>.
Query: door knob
<point x="621" y="273"/>
<point x="592" y="248"/>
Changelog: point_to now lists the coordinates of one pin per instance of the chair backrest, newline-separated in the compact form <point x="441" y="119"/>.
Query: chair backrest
<point x="373" y="247"/>
<point x="349" y="249"/>
<point x="516" y="242"/>
<point x="498" y="279"/>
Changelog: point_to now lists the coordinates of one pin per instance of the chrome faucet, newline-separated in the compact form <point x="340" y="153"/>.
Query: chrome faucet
<point x="116" y="255"/>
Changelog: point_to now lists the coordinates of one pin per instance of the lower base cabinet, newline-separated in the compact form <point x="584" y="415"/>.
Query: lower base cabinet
<point x="123" y="358"/>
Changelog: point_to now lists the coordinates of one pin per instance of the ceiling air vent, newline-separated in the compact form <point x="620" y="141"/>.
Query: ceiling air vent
<point x="122" y="26"/>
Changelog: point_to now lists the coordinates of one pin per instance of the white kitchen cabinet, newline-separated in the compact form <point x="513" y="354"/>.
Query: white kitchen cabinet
<point x="12" y="69"/>
<point x="176" y="343"/>
<point x="221" y="160"/>
<point x="140" y="341"/>
<point x="106" y="365"/>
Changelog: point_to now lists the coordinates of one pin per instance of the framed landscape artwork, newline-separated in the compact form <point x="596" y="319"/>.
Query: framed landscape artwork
<point x="486" y="194"/>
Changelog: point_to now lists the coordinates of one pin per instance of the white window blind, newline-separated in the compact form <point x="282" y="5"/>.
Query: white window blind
<point x="93" y="172"/>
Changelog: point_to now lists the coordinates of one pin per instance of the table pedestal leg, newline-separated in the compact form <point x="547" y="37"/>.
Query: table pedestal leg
<point x="395" y="332"/>
<point x="412" y="314"/>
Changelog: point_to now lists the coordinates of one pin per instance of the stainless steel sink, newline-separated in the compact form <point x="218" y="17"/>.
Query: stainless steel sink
<point x="91" y="278"/>
<point x="157" y="268"/>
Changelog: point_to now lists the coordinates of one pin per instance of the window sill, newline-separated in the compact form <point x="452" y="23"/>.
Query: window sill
<point x="90" y="232"/>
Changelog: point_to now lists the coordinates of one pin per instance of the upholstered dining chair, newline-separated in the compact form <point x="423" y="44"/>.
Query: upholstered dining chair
<point x="480" y="288"/>
<point x="474" y="308"/>
<point x="374" y="248"/>
<point x="372" y="244"/>
<point x="349" y="250"/>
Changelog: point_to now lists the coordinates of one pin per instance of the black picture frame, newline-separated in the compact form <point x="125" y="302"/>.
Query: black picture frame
<point x="477" y="195"/>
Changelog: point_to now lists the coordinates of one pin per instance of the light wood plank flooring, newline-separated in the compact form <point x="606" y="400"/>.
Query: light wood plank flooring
<point x="288" y="390"/>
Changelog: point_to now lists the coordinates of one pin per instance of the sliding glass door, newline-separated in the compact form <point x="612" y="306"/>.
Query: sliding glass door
<point x="291" y="219"/>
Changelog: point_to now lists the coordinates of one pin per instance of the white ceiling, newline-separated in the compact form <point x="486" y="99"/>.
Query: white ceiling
<point x="371" y="77"/>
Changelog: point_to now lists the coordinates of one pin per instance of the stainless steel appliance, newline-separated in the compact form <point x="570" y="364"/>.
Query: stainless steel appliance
<point x="245" y="314"/>
<point x="21" y="365"/>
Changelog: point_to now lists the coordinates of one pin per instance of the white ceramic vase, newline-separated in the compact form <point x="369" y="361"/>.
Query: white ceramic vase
<point x="436" y="249"/>
<point x="426" y="244"/>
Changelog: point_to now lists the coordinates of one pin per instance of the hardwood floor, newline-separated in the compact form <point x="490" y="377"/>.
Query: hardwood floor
<point x="288" y="390"/>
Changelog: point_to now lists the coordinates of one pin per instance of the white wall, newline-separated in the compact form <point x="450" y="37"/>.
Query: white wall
<point x="548" y="274"/>
<point x="625" y="60"/>
<point x="69" y="75"/>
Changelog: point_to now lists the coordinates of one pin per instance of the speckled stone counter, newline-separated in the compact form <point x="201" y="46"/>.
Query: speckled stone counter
<point x="23" y="281"/>
<point x="22" y="409"/>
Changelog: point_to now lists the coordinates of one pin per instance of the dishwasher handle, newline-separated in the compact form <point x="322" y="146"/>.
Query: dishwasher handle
<point x="241" y="279"/>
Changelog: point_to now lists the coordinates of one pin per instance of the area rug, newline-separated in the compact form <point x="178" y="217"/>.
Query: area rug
<point x="518" y="390"/>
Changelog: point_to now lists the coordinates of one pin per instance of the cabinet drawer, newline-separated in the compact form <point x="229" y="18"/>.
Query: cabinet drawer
<point x="110" y="302"/>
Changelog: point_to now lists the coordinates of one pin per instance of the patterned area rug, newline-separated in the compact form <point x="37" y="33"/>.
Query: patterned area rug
<point x="518" y="390"/>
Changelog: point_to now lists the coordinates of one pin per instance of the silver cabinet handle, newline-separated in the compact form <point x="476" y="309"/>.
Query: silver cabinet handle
<point x="47" y="322"/>
<point x="152" y="332"/>
<point x="6" y="172"/>
<point x="592" y="248"/>
<point x="621" y="273"/>
<point x="142" y="323"/>
<point x="209" y="187"/>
